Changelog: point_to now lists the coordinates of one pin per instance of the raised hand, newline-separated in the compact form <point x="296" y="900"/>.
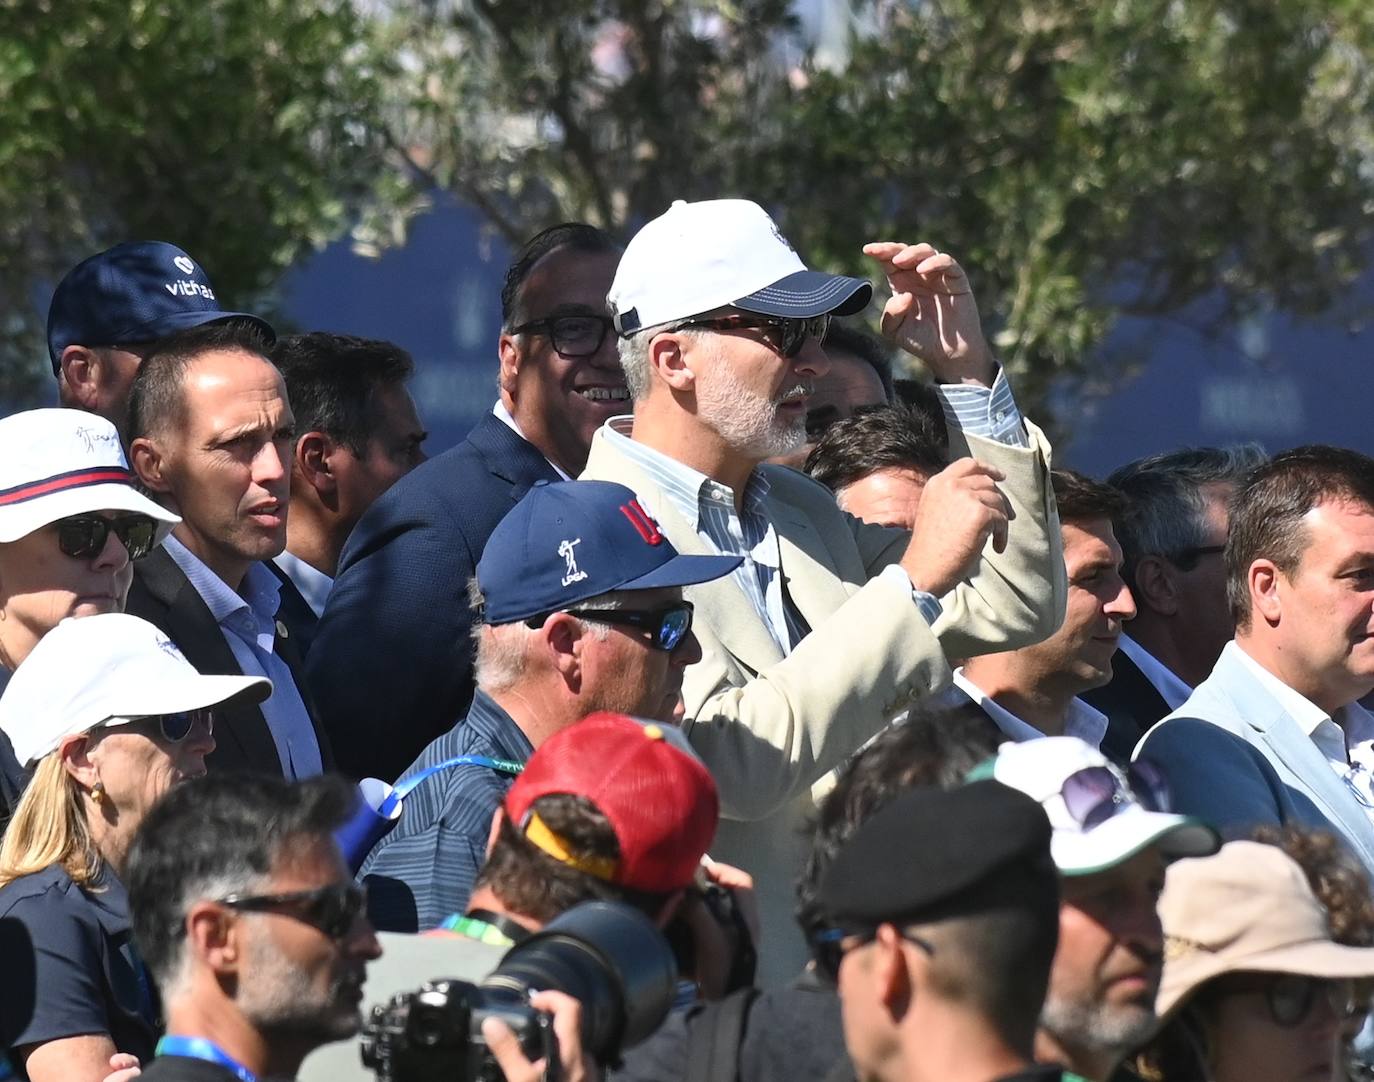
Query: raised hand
<point x="932" y="314"/>
<point x="960" y="509"/>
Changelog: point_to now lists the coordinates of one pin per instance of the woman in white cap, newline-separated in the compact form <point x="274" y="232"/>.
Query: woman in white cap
<point x="1255" y="988"/>
<point x="108" y="715"/>
<point x="71" y="524"/>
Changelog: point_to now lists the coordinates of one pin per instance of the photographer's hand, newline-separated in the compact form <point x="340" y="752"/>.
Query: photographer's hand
<point x="573" y="1064"/>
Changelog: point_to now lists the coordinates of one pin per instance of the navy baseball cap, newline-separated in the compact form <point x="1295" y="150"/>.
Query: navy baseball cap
<point x="571" y="540"/>
<point x="139" y="291"/>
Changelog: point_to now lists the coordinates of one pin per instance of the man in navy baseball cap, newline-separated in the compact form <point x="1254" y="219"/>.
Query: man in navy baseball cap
<point x="579" y="598"/>
<point x="111" y="309"/>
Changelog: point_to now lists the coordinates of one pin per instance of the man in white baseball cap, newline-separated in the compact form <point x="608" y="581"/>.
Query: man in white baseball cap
<point x="829" y="627"/>
<point x="71" y="524"/>
<point x="1112" y="835"/>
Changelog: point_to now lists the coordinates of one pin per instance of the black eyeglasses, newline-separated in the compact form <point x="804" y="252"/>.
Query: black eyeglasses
<point x="1186" y="559"/>
<point x="790" y="334"/>
<point x="1096" y="793"/>
<point x="83" y="536"/>
<point x="667" y="626"/>
<point x="572" y="336"/>
<point x="331" y="909"/>
<point x="828" y="947"/>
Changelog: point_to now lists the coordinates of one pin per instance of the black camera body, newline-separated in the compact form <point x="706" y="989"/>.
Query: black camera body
<point x="607" y="956"/>
<point x="435" y="1034"/>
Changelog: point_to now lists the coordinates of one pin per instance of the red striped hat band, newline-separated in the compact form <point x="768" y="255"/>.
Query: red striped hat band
<point x="102" y="475"/>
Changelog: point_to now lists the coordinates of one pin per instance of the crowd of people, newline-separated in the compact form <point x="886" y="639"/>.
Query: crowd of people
<point x="825" y="675"/>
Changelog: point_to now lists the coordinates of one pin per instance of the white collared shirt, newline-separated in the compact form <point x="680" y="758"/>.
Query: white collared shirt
<point x="1162" y="678"/>
<point x="503" y="415"/>
<point x="312" y="583"/>
<point x="1345" y="739"/>
<point x="1082" y="721"/>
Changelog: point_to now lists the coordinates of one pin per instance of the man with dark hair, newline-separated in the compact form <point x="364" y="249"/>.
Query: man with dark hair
<point x="859" y="378"/>
<point x="246" y="917"/>
<point x="947" y="903"/>
<point x="357" y="434"/>
<point x="1173" y="536"/>
<point x="1034" y="691"/>
<point x="574" y="827"/>
<point x="1274" y="734"/>
<point x="386" y="682"/>
<point x="831" y="627"/>
<point x="111" y="310"/>
<point x="211" y="436"/>
<point x="878" y="462"/>
<point x="581" y="609"/>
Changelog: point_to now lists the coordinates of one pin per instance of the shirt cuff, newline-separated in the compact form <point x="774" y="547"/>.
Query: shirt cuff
<point x="928" y="604"/>
<point x="984" y="411"/>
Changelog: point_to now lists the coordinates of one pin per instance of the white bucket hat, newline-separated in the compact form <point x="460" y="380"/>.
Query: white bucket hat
<point x="60" y="462"/>
<point x="109" y="668"/>
<point x="1118" y="825"/>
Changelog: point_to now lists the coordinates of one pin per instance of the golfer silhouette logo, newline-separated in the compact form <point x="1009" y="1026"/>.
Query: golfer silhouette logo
<point x="565" y="549"/>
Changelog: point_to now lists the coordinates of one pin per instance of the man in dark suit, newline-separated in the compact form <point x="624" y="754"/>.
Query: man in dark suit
<point x="1173" y="534"/>
<point x="391" y="666"/>
<point x="212" y="434"/>
<point x="357" y="434"/>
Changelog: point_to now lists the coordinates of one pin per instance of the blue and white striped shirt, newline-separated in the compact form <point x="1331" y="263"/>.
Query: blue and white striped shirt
<point x="710" y="506"/>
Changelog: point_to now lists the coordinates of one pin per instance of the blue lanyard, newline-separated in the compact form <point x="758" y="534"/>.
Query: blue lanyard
<point x="200" y="1048"/>
<point x="402" y="790"/>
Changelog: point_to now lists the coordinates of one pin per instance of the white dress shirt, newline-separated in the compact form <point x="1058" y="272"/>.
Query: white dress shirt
<point x="1082" y="720"/>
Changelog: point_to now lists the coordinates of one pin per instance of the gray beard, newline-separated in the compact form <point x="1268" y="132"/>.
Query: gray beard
<point x="1095" y="1027"/>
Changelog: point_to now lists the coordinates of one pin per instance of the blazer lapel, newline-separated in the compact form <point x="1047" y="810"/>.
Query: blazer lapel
<point x="720" y="604"/>
<point x="510" y="456"/>
<point x="809" y="576"/>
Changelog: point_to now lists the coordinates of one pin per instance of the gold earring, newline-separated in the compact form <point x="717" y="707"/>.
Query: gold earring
<point x="98" y="792"/>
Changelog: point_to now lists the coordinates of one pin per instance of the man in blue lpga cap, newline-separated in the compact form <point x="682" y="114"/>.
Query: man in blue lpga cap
<point x="578" y="597"/>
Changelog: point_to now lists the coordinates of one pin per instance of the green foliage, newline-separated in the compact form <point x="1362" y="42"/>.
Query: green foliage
<point x="238" y="129"/>
<point x="1082" y="159"/>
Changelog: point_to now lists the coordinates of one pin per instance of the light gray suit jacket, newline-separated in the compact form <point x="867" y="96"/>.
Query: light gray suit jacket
<point x="769" y="726"/>
<point x="1236" y="758"/>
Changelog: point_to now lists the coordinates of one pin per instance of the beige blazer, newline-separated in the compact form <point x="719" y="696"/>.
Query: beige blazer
<point x="769" y="726"/>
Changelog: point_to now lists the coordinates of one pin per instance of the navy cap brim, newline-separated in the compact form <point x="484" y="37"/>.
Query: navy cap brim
<point x="182" y="321"/>
<point x="684" y="571"/>
<point x="809" y="293"/>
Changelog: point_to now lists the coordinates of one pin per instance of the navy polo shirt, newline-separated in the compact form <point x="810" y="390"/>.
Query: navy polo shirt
<point x="70" y="967"/>
<point x="425" y="868"/>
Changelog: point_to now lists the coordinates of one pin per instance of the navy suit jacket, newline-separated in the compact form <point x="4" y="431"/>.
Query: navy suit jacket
<point x="1131" y="704"/>
<point x="391" y="665"/>
<point x="163" y="595"/>
<point x="294" y="611"/>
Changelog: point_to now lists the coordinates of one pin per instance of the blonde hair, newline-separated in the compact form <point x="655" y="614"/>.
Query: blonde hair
<point x="49" y="827"/>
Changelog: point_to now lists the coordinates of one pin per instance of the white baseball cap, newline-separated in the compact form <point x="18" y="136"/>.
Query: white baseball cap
<point x="110" y="668"/>
<point x="60" y="462"/>
<point x="1097" y="810"/>
<point x="697" y="257"/>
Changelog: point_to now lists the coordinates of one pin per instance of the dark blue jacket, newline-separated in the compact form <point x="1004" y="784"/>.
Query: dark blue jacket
<point x="391" y="665"/>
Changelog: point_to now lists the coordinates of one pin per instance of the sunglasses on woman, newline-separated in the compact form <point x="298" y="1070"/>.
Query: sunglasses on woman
<point x="173" y="728"/>
<point x="83" y="537"/>
<point x="1096" y="793"/>
<point x="1290" y="997"/>
<point x="331" y="909"/>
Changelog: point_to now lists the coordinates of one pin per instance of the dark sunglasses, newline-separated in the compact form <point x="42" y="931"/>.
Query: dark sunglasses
<point x="828" y="947"/>
<point x="174" y="728"/>
<point x="1291" y="997"/>
<point x="1186" y="559"/>
<point x="667" y="626"/>
<point x="572" y="336"/>
<point x="332" y="909"/>
<point x="83" y="536"/>
<point x="1096" y="793"/>
<point x="788" y="335"/>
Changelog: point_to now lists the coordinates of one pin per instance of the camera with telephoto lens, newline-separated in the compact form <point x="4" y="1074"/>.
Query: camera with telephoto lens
<point x="609" y="957"/>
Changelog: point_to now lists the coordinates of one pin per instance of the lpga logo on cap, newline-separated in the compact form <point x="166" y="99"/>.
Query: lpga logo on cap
<point x="571" y="540"/>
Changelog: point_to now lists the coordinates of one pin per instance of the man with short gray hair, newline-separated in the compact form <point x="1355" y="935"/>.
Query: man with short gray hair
<point x="579" y="609"/>
<point x="1173" y="534"/>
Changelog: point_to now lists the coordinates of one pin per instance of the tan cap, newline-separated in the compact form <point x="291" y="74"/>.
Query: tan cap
<point x="1249" y="908"/>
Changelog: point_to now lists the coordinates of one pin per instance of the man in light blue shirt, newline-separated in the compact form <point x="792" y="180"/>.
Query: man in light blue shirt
<point x="211" y="438"/>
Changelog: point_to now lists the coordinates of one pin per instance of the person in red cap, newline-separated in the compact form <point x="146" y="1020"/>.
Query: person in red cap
<point x="608" y="809"/>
